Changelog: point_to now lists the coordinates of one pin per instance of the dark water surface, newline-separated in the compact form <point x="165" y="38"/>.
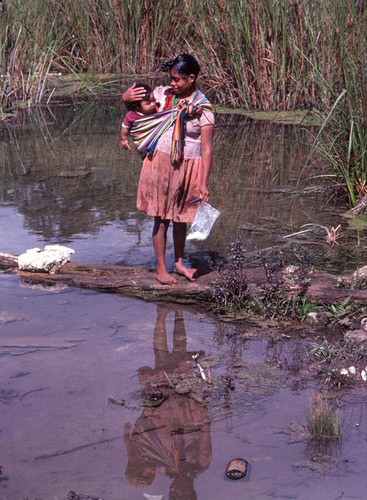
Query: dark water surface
<point x="64" y="179"/>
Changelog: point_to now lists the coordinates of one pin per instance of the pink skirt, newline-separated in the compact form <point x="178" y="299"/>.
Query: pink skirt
<point x="165" y="191"/>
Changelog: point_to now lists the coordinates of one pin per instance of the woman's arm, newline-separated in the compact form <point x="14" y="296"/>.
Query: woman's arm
<point x="133" y="94"/>
<point x="206" y="155"/>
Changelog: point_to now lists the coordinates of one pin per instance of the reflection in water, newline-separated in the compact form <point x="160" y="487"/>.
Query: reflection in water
<point x="70" y="162"/>
<point x="174" y="438"/>
<point x="64" y="170"/>
<point x="322" y="455"/>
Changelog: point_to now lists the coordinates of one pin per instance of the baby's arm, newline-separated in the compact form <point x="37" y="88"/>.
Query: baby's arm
<point x="125" y="137"/>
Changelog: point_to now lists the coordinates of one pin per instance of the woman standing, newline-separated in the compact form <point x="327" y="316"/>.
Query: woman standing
<point x="174" y="178"/>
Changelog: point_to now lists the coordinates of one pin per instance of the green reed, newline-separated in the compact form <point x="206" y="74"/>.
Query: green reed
<point x="343" y="137"/>
<point x="323" y="422"/>
<point x="259" y="54"/>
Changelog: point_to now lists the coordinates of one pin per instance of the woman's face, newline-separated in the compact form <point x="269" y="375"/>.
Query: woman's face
<point x="182" y="86"/>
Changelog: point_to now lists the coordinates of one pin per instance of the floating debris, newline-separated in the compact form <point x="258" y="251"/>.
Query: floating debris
<point x="155" y="399"/>
<point x="237" y="468"/>
<point x="113" y="401"/>
<point x="332" y="233"/>
<point x="80" y="496"/>
<point x="198" y="366"/>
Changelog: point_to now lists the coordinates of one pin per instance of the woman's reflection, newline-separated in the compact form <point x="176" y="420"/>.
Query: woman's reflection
<point x="173" y="438"/>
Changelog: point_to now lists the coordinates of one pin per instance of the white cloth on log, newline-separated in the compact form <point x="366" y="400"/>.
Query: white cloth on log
<point x="50" y="260"/>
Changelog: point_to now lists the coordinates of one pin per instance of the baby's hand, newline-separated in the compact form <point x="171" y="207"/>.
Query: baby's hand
<point x="125" y="144"/>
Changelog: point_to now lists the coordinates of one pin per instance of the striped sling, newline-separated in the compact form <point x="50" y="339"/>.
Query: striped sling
<point x="146" y="131"/>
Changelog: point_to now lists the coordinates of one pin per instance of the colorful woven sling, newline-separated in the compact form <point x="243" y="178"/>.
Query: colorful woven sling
<point x="186" y="110"/>
<point x="146" y="131"/>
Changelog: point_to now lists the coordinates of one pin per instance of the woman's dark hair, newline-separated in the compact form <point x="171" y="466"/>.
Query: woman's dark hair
<point x="135" y="106"/>
<point x="184" y="64"/>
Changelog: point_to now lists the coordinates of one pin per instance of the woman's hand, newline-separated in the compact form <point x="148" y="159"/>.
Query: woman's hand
<point x="204" y="193"/>
<point x="125" y="144"/>
<point x="133" y="94"/>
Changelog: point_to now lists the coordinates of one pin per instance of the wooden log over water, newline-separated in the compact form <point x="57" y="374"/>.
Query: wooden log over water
<point x="141" y="283"/>
<point x="128" y="281"/>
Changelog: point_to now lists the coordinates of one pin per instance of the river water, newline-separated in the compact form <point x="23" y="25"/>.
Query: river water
<point x="66" y="352"/>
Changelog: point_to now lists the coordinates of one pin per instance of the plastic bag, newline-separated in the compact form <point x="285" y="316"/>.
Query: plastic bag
<point x="203" y="222"/>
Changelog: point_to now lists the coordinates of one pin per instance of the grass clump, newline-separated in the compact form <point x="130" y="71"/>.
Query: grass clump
<point x="345" y="350"/>
<point x="323" y="422"/>
<point x="339" y="364"/>
<point x="344" y="314"/>
<point x="358" y="282"/>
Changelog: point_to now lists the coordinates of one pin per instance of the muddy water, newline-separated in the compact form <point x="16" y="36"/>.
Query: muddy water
<point x="65" y="353"/>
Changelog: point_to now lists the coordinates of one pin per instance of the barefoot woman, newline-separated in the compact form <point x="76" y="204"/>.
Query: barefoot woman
<point x="177" y="173"/>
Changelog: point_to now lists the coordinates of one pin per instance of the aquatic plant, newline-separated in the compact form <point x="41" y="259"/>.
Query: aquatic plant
<point x="334" y="378"/>
<point x="284" y="295"/>
<point x="342" y="141"/>
<point x="230" y="290"/>
<point x="323" y="422"/>
<point x="276" y="303"/>
<point x="345" y="350"/>
<point x="339" y="313"/>
<point x="303" y="307"/>
<point x="322" y="351"/>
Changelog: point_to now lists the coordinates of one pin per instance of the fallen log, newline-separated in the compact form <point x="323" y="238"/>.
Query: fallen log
<point x="141" y="283"/>
<point x="8" y="260"/>
<point x="128" y="281"/>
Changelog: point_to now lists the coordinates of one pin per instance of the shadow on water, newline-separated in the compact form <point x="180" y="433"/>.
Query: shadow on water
<point x="64" y="171"/>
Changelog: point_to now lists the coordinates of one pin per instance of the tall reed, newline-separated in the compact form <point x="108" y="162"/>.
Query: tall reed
<point x="343" y="137"/>
<point x="261" y="54"/>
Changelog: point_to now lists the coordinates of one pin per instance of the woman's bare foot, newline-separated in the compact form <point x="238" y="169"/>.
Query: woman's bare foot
<point x="165" y="278"/>
<point x="185" y="271"/>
